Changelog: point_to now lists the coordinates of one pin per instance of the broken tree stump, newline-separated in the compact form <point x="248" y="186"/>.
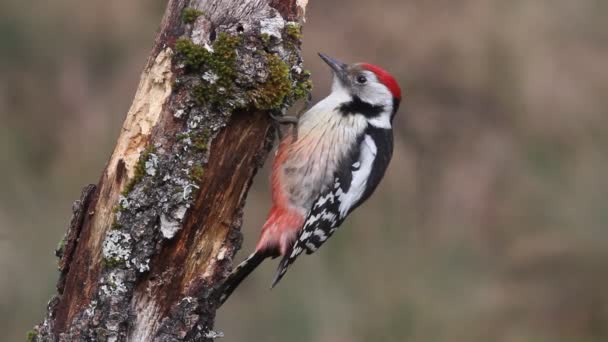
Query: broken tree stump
<point x="148" y="245"/>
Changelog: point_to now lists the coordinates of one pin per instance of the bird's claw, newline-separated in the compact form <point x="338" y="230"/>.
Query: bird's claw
<point x="286" y="120"/>
<point x="292" y="120"/>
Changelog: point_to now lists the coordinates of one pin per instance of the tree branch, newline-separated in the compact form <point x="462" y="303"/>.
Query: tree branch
<point x="148" y="245"/>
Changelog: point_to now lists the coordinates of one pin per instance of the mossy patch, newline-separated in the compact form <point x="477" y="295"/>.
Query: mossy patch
<point x="219" y="65"/>
<point x="181" y="136"/>
<point x="303" y="86"/>
<point x="294" y="31"/>
<point x="270" y="94"/>
<point x="265" y="37"/>
<point x="112" y="262"/>
<point x="213" y="73"/>
<point x="138" y="172"/>
<point x="60" y="247"/>
<point x="31" y="336"/>
<point x="115" y="225"/>
<point x="197" y="172"/>
<point x="118" y="208"/>
<point x="189" y="15"/>
<point x="193" y="56"/>
<point x="200" y="140"/>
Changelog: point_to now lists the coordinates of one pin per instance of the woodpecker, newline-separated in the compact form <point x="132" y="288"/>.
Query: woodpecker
<point x="333" y="163"/>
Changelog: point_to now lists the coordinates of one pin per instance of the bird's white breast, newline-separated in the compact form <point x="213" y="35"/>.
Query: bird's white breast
<point x="325" y="137"/>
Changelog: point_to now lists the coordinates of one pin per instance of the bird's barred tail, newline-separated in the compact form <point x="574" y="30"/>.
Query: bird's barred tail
<point x="284" y="264"/>
<point x="240" y="273"/>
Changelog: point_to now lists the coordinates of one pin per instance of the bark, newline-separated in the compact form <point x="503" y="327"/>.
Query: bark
<point x="149" y="245"/>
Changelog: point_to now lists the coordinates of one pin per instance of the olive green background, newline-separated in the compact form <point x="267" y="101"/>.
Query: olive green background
<point x="490" y="224"/>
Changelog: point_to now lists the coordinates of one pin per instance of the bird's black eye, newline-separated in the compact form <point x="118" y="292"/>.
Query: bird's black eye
<point x="361" y="79"/>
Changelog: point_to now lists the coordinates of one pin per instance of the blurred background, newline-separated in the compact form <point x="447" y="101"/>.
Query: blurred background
<point x="490" y="224"/>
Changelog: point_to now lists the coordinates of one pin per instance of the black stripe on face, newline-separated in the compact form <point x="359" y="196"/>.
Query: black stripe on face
<point x="396" y="103"/>
<point x="358" y="106"/>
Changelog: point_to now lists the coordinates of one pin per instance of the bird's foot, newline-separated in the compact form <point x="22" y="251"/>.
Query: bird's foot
<point x="285" y="120"/>
<point x="291" y="120"/>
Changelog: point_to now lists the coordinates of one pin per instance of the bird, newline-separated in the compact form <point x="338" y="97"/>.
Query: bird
<point x="338" y="155"/>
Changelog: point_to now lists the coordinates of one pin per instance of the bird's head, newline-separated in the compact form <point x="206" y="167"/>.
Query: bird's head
<point x="366" y="89"/>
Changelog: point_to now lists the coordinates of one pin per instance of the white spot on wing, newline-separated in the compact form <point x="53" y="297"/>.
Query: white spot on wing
<point x="305" y="235"/>
<point x="311" y="220"/>
<point x="328" y="216"/>
<point x="322" y="200"/>
<point x="321" y="234"/>
<point x="360" y="176"/>
<point x="311" y="246"/>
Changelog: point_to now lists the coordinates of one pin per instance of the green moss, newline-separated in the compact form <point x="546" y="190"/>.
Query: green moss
<point x="197" y="173"/>
<point x="265" y="37"/>
<point x="189" y="15"/>
<point x="279" y="86"/>
<point x="303" y="86"/>
<point x="270" y="95"/>
<point x="117" y="208"/>
<point x="294" y="31"/>
<point x="181" y="136"/>
<point x="112" y="262"/>
<point x="60" y="247"/>
<point x="193" y="56"/>
<point x="221" y="63"/>
<point x="200" y="140"/>
<point x="200" y="145"/>
<point x="31" y="336"/>
<point x="224" y="53"/>
<point x="115" y="225"/>
<point x="218" y="69"/>
<point x="138" y="172"/>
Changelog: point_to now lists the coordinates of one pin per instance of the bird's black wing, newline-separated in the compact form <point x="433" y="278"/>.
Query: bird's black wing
<point x="356" y="179"/>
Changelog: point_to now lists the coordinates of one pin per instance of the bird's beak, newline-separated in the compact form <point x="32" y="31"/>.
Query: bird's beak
<point x="338" y="67"/>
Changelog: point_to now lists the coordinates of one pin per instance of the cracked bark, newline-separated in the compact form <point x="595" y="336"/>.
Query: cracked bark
<point x="148" y="245"/>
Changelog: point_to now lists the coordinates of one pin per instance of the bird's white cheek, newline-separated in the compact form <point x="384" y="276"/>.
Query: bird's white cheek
<point x="376" y="94"/>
